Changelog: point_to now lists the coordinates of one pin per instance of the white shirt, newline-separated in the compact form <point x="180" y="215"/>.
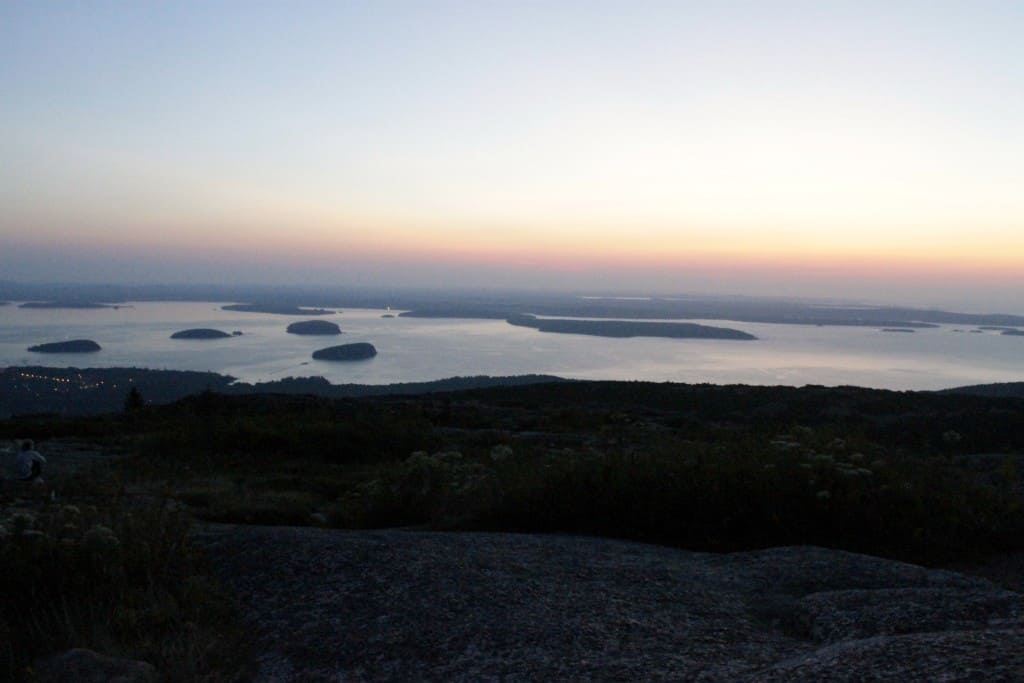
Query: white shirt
<point x="23" y="468"/>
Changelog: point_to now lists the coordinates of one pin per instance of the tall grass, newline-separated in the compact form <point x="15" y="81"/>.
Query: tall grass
<point x="121" y="579"/>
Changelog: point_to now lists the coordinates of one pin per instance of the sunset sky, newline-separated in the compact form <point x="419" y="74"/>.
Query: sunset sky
<point x="866" y="150"/>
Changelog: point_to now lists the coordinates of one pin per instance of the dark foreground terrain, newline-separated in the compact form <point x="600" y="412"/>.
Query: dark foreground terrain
<point x="762" y="534"/>
<point x="327" y="605"/>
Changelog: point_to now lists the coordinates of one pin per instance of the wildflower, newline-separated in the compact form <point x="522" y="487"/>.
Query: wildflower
<point x="501" y="452"/>
<point x="22" y="521"/>
<point x="100" y="539"/>
<point x="951" y="436"/>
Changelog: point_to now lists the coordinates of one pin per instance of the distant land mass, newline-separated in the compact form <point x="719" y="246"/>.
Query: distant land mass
<point x="346" y="352"/>
<point x="278" y="309"/>
<point x="995" y="328"/>
<point x="1014" y="333"/>
<point x="643" y="309"/>
<point x="898" y="329"/>
<point x="200" y="333"/>
<point x="997" y="390"/>
<point x="70" y="346"/>
<point x="500" y="304"/>
<point x="65" y="304"/>
<point x="314" y="327"/>
<point x="73" y="391"/>
<point x="628" y="328"/>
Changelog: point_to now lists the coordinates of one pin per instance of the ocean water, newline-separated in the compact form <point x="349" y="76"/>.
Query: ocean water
<point x="420" y="349"/>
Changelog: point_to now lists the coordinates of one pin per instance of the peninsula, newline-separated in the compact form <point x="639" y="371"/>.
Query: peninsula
<point x="357" y="351"/>
<point x="628" y="328"/>
<point x="314" y="327"/>
<point x="64" y="304"/>
<point x="200" y="333"/>
<point x="277" y="309"/>
<point x="70" y="346"/>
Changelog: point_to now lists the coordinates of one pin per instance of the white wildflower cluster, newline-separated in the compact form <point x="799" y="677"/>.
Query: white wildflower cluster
<point x="101" y="539"/>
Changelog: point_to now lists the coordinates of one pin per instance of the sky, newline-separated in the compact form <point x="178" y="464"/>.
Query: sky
<point x="862" y="150"/>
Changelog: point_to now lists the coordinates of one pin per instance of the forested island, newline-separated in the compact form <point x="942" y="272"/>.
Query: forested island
<point x="70" y="346"/>
<point x="628" y="328"/>
<point x="346" y="352"/>
<point x="200" y="333"/>
<point x="314" y="327"/>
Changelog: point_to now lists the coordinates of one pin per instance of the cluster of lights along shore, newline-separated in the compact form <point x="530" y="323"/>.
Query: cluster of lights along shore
<point x="80" y="382"/>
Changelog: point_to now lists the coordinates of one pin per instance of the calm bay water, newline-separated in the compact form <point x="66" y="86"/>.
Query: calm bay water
<point x="419" y="349"/>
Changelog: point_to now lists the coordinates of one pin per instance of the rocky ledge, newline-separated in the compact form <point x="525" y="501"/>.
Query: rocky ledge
<point x="200" y="333"/>
<point x="398" y="605"/>
<point x="70" y="346"/>
<point x="357" y="351"/>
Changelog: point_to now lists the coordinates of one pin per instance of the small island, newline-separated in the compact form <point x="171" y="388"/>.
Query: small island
<point x="388" y="315"/>
<point x="357" y="351"/>
<point x="314" y="327"/>
<point x="70" y="346"/>
<point x="200" y="333"/>
<point x="1014" y="333"/>
<point x="628" y="328"/>
<point x="277" y="309"/>
<point x="897" y="329"/>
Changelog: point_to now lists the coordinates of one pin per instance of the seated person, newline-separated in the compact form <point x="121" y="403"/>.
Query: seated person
<point x="29" y="466"/>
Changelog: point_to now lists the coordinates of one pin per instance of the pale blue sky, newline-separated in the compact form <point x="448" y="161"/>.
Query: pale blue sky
<point x="717" y="145"/>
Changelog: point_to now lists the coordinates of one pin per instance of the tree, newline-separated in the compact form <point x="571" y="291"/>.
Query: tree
<point x="133" y="401"/>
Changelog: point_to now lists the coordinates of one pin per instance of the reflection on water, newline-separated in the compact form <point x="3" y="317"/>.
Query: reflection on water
<point x="418" y="349"/>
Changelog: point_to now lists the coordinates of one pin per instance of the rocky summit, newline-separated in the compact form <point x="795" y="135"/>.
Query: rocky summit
<point x="402" y="605"/>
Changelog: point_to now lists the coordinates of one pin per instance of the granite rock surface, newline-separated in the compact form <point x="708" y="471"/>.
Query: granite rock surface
<point x="406" y="605"/>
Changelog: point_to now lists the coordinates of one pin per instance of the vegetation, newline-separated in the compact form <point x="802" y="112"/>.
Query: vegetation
<point x="697" y="467"/>
<point x="113" y="575"/>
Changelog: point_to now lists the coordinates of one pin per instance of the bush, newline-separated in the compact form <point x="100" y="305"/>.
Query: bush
<point x="123" y="582"/>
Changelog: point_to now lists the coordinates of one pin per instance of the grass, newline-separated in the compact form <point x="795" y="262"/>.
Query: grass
<point x="114" y="575"/>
